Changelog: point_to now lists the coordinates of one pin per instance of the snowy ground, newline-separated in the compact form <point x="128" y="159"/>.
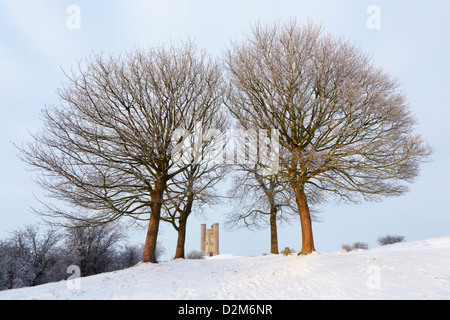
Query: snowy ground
<point x="411" y="270"/>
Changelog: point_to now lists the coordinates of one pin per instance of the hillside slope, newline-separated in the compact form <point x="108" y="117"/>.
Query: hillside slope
<point x="411" y="270"/>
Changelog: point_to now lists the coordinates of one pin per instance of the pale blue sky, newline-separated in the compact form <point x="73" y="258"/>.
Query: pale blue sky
<point x="413" y="44"/>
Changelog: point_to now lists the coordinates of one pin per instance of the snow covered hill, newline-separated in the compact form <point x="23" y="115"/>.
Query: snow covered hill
<point x="411" y="270"/>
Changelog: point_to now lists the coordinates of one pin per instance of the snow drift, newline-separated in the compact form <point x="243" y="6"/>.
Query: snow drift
<point x="410" y="270"/>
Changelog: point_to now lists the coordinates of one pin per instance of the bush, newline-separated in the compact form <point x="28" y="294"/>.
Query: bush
<point x="355" y="246"/>
<point x="30" y="257"/>
<point x="93" y="249"/>
<point x="390" y="239"/>
<point x="194" y="254"/>
<point x="129" y="256"/>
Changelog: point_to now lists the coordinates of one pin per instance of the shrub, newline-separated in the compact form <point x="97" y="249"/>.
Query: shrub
<point x="194" y="254"/>
<point x="93" y="249"/>
<point x="355" y="246"/>
<point x="30" y="257"/>
<point x="389" y="239"/>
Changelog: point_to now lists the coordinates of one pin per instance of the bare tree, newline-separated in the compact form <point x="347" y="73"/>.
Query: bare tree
<point x="257" y="197"/>
<point x="257" y="190"/>
<point x="193" y="189"/>
<point x="195" y="186"/>
<point x="106" y="148"/>
<point x="260" y="199"/>
<point x="29" y="258"/>
<point x="93" y="249"/>
<point x="344" y="125"/>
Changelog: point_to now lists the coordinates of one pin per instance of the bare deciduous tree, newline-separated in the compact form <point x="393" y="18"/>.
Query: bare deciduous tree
<point x="106" y="147"/>
<point x="92" y="248"/>
<point x="29" y="258"/>
<point x="344" y="125"/>
<point x="192" y="189"/>
<point x="257" y="197"/>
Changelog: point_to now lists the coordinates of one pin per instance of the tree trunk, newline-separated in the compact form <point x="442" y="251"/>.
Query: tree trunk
<point x="179" y="253"/>
<point x="305" y="218"/>
<point x="153" y="226"/>
<point x="273" y="231"/>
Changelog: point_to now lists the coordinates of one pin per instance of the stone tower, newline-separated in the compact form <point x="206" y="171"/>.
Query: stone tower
<point x="209" y="244"/>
